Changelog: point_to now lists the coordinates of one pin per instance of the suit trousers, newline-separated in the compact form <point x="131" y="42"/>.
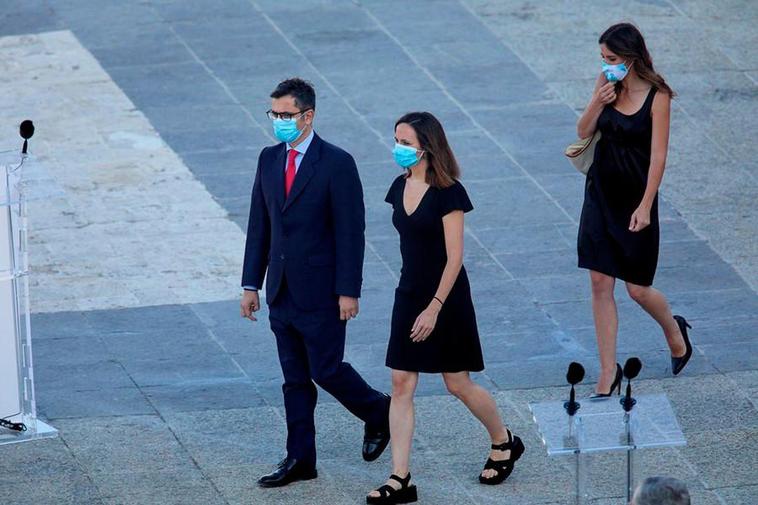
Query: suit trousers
<point x="311" y="346"/>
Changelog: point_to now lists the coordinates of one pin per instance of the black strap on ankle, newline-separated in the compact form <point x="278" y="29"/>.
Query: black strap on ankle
<point x="403" y="482"/>
<point x="505" y="445"/>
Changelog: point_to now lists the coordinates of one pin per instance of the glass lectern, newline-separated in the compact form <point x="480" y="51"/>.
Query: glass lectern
<point x="18" y="412"/>
<point x="604" y="426"/>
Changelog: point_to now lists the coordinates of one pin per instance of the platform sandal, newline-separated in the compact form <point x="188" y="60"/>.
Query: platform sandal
<point x="503" y="467"/>
<point x="388" y="495"/>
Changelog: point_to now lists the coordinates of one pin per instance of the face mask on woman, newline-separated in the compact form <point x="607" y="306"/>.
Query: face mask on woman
<point x="406" y="156"/>
<point x="615" y="73"/>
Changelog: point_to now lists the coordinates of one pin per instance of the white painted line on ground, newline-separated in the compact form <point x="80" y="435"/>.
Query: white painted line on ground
<point x="132" y="227"/>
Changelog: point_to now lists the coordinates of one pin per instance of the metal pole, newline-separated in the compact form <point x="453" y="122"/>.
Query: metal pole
<point x="629" y="457"/>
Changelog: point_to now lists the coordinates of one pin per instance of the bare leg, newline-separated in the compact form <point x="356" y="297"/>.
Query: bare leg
<point x="479" y="401"/>
<point x="655" y="304"/>
<point x="402" y="419"/>
<point x="606" y="327"/>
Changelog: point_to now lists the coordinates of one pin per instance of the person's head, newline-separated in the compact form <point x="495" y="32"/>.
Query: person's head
<point x="423" y="132"/>
<point x="661" y="491"/>
<point x="293" y="106"/>
<point x="623" y="43"/>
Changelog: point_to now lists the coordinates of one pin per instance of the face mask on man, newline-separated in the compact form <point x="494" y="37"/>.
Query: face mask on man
<point x="615" y="73"/>
<point x="286" y="130"/>
<point x="406" y="156"/>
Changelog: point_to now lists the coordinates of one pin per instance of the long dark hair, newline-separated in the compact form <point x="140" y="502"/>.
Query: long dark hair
<point x="625" y="40"/>
<point x="443" y="169"/>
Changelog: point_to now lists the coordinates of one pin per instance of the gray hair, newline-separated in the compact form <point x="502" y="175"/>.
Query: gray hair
<point x="661" y="491"/>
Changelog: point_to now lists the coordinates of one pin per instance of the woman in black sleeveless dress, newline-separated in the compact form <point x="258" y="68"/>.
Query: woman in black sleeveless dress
<point x="433" y="320"/>
<point x="618" y="231"/>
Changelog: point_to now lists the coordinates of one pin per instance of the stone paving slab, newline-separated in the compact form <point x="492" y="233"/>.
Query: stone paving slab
<point x="132" y="226"/>
<point x="233" y="429"/>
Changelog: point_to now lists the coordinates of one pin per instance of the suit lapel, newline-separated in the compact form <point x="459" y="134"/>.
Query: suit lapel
<point x="279" y="178"/>
<point x="305" y="171"/>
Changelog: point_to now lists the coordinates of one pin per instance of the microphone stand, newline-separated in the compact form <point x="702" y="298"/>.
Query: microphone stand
<point x="628" y="403"/>
<point x="571" y="407"/>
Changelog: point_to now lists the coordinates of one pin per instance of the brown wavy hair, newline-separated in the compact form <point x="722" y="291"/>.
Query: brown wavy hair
<point x="443" y="169"/>
<point x="625" y="40"/>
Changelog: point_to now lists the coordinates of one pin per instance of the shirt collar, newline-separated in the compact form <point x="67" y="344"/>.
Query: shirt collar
<point x="303" y="146"/>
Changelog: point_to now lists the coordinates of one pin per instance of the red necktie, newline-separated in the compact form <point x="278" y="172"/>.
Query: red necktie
<point x="289" y="175"/>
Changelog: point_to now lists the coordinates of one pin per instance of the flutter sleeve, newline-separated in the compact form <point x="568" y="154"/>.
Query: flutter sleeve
<point x="454" y="198"/>
<point x="391" y="197"/>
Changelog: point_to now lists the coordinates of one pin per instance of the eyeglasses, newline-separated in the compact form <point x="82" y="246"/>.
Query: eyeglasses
<point x="286" y="115"/>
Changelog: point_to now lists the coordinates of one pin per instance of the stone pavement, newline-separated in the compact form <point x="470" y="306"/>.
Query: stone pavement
<point x="163" y="395"/>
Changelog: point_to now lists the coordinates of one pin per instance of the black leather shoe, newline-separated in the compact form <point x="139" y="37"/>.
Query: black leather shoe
<point x="288" y="471"/>
<point x="376" y="440"/>
<point x="374" y="443"/>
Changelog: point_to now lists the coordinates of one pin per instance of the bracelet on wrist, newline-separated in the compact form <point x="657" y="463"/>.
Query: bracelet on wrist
<point x="442" y="304"/>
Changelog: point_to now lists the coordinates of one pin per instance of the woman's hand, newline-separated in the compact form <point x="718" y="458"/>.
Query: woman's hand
<point x="424" y="324"/>
<point x="640" y="219"/>
<point x="606" y="93"/>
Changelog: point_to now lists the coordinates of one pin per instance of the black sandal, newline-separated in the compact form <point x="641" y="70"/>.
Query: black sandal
<point x="503" y="467"/>
<point x="388" y="495"/>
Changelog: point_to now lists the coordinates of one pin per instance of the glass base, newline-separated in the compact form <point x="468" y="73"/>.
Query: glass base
<point x="39" y="431"/>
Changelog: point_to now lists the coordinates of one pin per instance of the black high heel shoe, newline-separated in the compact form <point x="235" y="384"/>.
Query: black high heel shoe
<point x="388" y="495"/>
<point x="678" y="364"/>
<point x="615" y="385"/>
<point x="503" y="467"/>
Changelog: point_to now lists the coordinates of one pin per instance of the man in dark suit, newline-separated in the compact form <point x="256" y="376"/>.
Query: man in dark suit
<point x="307" y="228"/>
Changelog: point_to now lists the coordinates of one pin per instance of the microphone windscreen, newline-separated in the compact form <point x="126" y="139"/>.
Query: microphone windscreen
<point x="575" y="373"/>
<point x="26" y="130"/>
<point x="632" y="368"/>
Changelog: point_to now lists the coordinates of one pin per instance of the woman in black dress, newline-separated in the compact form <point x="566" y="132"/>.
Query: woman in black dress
<point x="433" y="321"/>
<point x="618" y="231"/>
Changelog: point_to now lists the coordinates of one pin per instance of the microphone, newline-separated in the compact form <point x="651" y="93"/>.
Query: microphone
<point x="26" y="130"/>
<point x="575" y="373"/>
<point x="574" y="376"/>
<point x="632" y="369"/>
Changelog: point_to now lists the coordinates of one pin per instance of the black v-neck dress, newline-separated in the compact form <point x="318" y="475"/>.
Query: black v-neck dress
<point x="615" y="185"/>
<point x="453" y="345"/>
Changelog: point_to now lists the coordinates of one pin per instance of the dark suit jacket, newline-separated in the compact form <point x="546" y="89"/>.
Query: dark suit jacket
<point x="316" y="236"/>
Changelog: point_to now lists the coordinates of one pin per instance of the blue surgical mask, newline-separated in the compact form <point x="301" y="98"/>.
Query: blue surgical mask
<point x="286" y="130"/>
<point x="615" y="73"/>
<point x="405" y="156"/>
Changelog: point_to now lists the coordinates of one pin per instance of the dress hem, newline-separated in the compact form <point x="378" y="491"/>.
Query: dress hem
<point x="436" y="371"/>
<point x="614" y="275"/>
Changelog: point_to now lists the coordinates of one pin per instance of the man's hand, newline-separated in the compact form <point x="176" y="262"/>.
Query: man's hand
<point x="348" y="308"/>
<point x="250" y="303"/>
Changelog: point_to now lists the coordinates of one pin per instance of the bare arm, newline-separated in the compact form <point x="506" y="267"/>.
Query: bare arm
<point x="453" y="227"/>
<point x="659" y="147"/>
<point x="661" y="113"/>
<point x="604" y="93"/>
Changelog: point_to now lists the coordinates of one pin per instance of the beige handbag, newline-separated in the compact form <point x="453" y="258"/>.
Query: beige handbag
<point x="582" y="152"/>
